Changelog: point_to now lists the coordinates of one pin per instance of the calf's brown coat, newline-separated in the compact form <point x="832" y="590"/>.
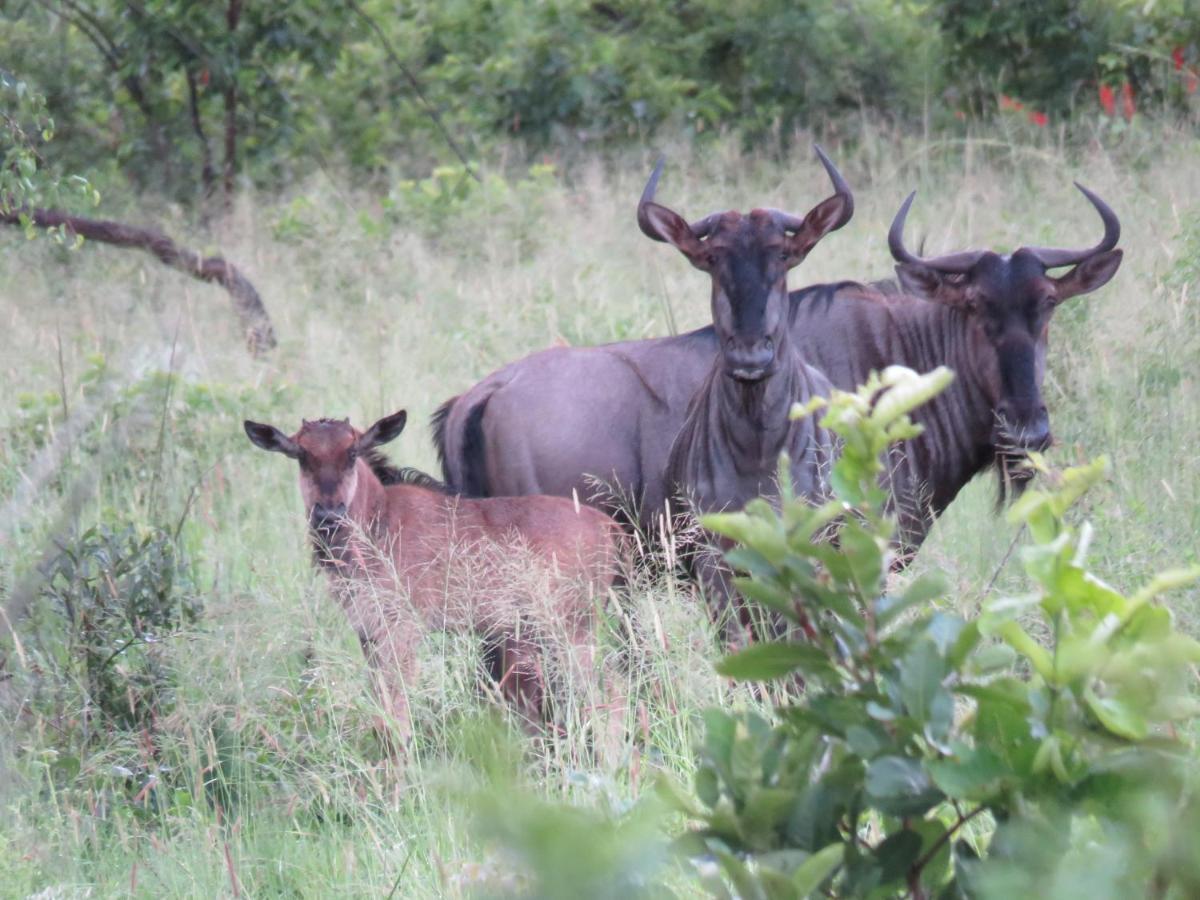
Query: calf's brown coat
<point x="406" y="557"/>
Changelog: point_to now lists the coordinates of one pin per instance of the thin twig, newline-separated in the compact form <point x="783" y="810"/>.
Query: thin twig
<point x="430" y="109"/>
<point x="403" y="868"/>
<point x="923" y="861"/>
<point x="1004" y="561"/>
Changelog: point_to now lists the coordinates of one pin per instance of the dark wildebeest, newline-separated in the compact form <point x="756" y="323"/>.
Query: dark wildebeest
<point x="988" y="321"/>
<point x="545" y="423"/>
<point x="404" y="558"/>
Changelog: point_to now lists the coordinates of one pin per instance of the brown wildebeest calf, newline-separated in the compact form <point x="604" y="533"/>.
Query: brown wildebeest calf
<point x="405" y="557"/>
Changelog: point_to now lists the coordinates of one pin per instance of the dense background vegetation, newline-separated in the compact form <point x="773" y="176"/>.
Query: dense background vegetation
<point x="188" y="99"/>
<point x="184" y="712"/>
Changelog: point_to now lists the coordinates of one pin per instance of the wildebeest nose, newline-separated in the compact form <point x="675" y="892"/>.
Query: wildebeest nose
<point x="323" y="516"/>
<point x="750" y="363"/>
<point x="1028" y="432"/>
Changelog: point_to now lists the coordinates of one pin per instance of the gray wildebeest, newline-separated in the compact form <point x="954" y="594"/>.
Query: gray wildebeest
<point x="405" y="558"/>
<point x="599" y="422"/>
<point x="727" y="451"/>
<point x="545" y="422"/>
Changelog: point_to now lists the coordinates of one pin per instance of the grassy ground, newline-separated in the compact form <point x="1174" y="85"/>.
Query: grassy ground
<point x="274" y="782"/>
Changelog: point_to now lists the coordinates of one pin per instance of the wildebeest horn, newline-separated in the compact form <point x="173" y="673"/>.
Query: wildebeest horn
<point x="951" y="263"/>
<point x="1052" y="257"/>
<point x="788" y="222"/>
<point x="699" y="228"/>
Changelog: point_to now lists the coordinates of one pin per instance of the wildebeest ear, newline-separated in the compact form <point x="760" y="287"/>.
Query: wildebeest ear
<point x="386" y="429"/>
<point x="671" y="227"/>
<point x="268" y="437"/>
<point x="930" y="284"/>
<point x="826" y="216"/>
<point x="1092" y="273"/>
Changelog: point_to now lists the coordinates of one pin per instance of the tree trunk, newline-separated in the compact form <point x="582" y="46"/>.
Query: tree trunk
<point x="232" y="14"/>
<point x="260" y="334"/>
<point x="208" y="174"/>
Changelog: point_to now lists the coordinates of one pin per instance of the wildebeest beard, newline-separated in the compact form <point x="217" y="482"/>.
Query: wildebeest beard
<point x="331" y="542"/>
<point x="1013" y="475"/>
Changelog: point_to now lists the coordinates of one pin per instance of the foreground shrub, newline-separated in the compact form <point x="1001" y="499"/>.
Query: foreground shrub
<point x="1046" y="743"/>
<point x="111" y="602"/>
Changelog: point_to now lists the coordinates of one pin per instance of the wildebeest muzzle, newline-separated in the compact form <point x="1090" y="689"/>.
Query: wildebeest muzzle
<point x="750" y="362"/>
<point x="325" y="519"/>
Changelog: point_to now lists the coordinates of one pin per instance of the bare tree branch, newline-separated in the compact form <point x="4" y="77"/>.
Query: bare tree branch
<point x="260" y="334"/>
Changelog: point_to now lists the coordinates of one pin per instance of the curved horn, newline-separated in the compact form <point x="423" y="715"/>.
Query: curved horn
<point x="840" y="188"/>
<point x="699" y="228"/>
<point x="951" y="263"/>
<point x="648" y="197"/>
<point x="789" y="222"/>
<point x="1052" y="257"/>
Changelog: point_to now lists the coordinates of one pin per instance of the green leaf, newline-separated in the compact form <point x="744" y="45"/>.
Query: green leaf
<point x="964" y="645"/>
<point x="991" y="658"/>
<point x="745" y="883"/>
<point x="818" y="867"/>
<point x="749" y="560"/>
<point x="768" y="594"/>
<point x="907" y="390"/>
<point x="900" y="786"/>
<point x="972" y="774"/>
<point x="765" y="811"/>
<point x="1016" y="637"/>
<point x="867" y="741"/>
<point x="1117" y="716"/>
<point x="925" y="588"/>
<point x="921" y="673"/>
<point x="896" y="856"/>
<point x="765" y="662"/>
<point x="719" y="731"/>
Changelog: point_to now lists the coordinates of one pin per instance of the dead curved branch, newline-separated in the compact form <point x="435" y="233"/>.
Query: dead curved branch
<point x="260" y="333"/>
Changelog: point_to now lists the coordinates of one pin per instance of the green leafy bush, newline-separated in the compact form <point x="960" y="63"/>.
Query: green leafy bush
<point x="112" y="602"/>
<point x="1049" y="741"/>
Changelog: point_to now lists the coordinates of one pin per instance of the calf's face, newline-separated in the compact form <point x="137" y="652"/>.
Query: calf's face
<point x="328" y="451"/>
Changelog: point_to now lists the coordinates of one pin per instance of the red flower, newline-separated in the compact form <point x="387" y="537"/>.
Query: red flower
<point x="1192" y="82"/>
<point x="1177" y="55"/>
<point x="1127" y="108"/>
<point x="1039" y="119"/>
<point x="1007" y="102"/>
<point x="1108" y="102"/>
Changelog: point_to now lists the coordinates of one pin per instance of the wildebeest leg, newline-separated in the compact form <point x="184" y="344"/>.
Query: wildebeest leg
<point x="726" y="606"/>
<point x="392" y="661"/>
<point x="521" y="679"/>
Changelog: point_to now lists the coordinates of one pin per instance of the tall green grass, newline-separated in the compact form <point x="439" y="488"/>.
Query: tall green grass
<point x="275" y="782"/>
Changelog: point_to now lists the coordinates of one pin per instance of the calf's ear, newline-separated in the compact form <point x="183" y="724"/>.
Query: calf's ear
<point x="386" y="429"/>
<point x="1091" y="274"/>
<point x="268" y="437"/>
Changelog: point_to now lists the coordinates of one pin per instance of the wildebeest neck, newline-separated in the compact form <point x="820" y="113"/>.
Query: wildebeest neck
<point x="859" y="331"/>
